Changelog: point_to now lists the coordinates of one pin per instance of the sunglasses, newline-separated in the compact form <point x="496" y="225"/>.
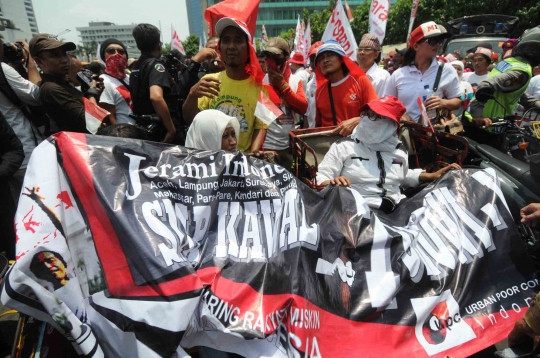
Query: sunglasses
<point x="371" y="115"/>
<point x="112" y="51"/>
<point x="433" y="41"/>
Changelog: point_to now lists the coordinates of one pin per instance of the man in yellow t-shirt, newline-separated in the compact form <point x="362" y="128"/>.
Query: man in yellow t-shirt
<point x="234" y="91"/>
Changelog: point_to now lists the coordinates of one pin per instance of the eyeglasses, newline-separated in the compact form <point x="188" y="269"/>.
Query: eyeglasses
<point x="433" y="41"/>
<point x="371" y="115"/>
<point x="112" y="51"/>
<point x="365" y="49"/>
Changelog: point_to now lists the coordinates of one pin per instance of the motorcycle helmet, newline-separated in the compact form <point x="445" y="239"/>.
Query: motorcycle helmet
<point x="528" y="46"/>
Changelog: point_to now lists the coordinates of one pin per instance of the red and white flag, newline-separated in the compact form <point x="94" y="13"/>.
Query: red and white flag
<point x="266" y="110"/>
<point x="339" y="29"/>
<point x="378" y="16"/>
<point x="299" y="37"/>
<point x="307" y="41"/>
<point x="349" y="12"/>
<point x="93" y="115"/>
<point x="175" y="41"/>
<point x="264" y="38"/>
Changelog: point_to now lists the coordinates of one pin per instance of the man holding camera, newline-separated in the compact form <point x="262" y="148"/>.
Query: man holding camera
<point x="151" y="85"/>
<point x="16" y="92"/>
<point x="63" y="103"/>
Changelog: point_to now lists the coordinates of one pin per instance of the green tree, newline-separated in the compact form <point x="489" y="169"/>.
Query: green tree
<point x="166" y="48"/>
<point x="360" y="24"/>
<point x="191" y="45"/>
<point x="288" y="35"/>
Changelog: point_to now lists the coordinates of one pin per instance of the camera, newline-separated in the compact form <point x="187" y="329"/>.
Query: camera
<point x="174" y="63"/>
<point x="13" y="52"/>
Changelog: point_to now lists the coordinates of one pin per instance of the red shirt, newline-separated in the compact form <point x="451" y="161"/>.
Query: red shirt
<point x="349" y="95"/>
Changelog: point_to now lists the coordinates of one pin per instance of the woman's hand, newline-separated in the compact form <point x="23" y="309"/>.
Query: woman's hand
<point x="341" y="181"/>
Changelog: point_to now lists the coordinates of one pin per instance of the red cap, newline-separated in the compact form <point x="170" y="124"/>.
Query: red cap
<point x="427" y="30"/>
<point x="494" y="56"/>
<point x="387" y="106"/>
<point x="314" y="47"/>
<point x="298" y="58"/>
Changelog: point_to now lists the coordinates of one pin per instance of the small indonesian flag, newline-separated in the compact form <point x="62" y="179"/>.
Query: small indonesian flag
<point x="175" y="41"/>
<point x="266" y="110"/>
<point x="93" y="115"/>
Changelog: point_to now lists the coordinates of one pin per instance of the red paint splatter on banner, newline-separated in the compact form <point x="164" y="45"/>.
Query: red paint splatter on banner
<point x="64" y="198"/>
<point x="29" y="223"/>
<point x="21" y="254"/>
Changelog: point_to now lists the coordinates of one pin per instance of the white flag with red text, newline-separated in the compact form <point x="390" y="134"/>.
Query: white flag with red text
<point x="264" y="38"/>
<point x="307" y="42"/>
<point x="378" y="16"/>
<point x="175" y="41"/>
<point x="93" y="115"/>
<point x="339" y="29"/>
<point x="299" y="37"/>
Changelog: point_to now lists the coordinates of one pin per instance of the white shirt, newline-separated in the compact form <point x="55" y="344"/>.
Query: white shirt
<point x="359" y="164"/>
<point x="312" y="105"/>
<point x="534" y="87"/>
<point x="473" y="78"/>
<point x="116" y="94"/>
<point x="304" y="75"/>
<point x="378" y="77"/>
<point x="28" y="93"/>
<point x="407" y="84"/>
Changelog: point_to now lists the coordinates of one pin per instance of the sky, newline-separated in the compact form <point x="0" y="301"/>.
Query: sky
<point x="55" y="16"/>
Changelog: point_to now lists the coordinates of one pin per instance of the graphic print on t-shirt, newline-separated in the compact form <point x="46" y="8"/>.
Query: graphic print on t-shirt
<point x="124" y="92"/>
<point x="230" y="105"/>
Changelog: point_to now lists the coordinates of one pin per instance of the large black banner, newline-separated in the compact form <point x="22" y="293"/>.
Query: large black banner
<point x="141" y="249"/>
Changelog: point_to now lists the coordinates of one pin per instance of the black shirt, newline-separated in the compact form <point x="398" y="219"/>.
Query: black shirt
<point x="153" y="73"/>
<point x="63" y="103"/>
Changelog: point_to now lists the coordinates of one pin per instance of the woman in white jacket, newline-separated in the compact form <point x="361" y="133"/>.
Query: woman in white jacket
<point x="373" y="161"/>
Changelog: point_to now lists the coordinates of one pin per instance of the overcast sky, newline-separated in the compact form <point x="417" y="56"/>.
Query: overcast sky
<point x="54" y="16"/>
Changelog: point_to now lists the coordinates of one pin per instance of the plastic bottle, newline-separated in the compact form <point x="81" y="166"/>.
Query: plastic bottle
<point x="428" y="93"/>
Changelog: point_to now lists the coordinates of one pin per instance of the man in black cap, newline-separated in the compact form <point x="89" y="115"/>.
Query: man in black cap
<point x="63" y="103"/>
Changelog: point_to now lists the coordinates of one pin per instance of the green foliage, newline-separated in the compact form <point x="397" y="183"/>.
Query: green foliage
<point x="166" y="48"/>
<point x="191" y="45"/>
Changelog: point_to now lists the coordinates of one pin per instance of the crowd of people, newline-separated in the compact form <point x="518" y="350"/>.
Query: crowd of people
<point x="210" y="101"/>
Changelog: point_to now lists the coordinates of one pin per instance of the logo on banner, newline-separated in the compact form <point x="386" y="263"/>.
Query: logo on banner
<point x="439" y="326"/>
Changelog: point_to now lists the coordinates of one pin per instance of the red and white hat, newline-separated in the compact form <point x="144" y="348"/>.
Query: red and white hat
<point x="427" y="30"/>
<point x="228" y="21"/>
<point x="387" y="106"/>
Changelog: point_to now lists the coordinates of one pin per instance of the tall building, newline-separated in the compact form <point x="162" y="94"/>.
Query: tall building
<point x="19" y="20"/>
<point x="100" y="31"/>
<point x="195" y="10"/>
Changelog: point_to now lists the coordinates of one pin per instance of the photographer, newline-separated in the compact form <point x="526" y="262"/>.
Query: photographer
<point x="151" y="84"/>
<point x="16" y="93"/>
<point x="63" y="103"/>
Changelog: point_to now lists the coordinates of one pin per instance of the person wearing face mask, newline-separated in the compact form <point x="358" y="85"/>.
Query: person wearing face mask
<point x="213" y="130"/>
<point x="116" y="97"/>
<point x="373" y="161"/>
<point x="466" y="89"/>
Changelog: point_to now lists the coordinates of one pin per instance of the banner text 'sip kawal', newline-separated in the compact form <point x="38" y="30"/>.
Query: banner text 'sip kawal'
<point x="142" y="249"/>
